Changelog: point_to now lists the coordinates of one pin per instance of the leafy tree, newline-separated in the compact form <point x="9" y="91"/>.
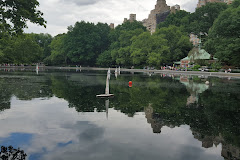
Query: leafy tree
<point x="103" y="30"/>
<point x="179" y="19"/>
<point x="85" y="41"/>
<point x="44" y="41"/>
<point x="127" y="26"/>
<point x="105" y="59"/>
<point x="223" y="41"/>
<point x="148" y="49"/>
<point x="120" y="49"/>
<point x="202" y="19"/>
<point x="58" y="53"/>
<point x="5" y="41"/>
<point x="14" y="15"/>
<point x="197" y="22"/>
<point x="177" y="41"/>
<point x="23" y="49"/>
<point x="122" y="56"/>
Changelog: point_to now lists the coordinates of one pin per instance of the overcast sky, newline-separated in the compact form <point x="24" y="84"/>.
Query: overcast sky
<point x="60" y="14"/>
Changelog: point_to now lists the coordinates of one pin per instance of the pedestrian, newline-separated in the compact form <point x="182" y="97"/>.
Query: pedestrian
<point x="229" y="70"/>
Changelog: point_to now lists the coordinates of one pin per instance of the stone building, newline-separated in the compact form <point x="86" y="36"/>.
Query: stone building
<point x="175" y="8"/>
<point x="111" y="25"/>
<point x="156" y="123"/>
<point x="162" y="17"/>
<point x="159" y="14"/>
<point x="229" y="151"/>
<point x="132" y="18"/>
<point x="204" y="2"/>
<point x="160" y="8"/>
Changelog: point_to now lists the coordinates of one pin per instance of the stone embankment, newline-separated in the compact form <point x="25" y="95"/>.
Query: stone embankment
<point x="197" y="73"/>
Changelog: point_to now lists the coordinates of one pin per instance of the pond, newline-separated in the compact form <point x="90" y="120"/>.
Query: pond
<point x="55" y="115"/>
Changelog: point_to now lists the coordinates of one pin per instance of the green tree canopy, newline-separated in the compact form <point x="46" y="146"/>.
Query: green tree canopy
<point x="223" y="41"/>
<point x="177" y="41"/>
<point x="58" y="53"/>
<point x="85" y="41"/>
<point x="147" y="49"/>
<point x="22" y="49"/>
<point x="121" y="41"/>
<point x="44" y="41"/>
<point x="127" y="26"/>
<point x="202" y="19"/>
<point x="199" y="21"/>
<point x="121" y="48"/>
<point x="14" y="15"/>
<point x="179" y="19"/>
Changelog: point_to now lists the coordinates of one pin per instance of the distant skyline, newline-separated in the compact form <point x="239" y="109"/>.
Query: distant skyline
<point x="60" y="14"/>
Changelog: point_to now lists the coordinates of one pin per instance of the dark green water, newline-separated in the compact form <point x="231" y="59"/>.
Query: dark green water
<point x="55" y="115"/>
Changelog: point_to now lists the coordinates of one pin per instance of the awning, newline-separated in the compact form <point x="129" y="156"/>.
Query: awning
<point x="177" y="62"/>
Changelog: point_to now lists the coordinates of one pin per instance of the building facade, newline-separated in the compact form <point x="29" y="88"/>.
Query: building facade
<point x="111" y="25"/>
<point x="175" y="8"/>
<point x="151" y="22"/>
<point x="194" y="39"/>
<point x="132" y="18"/>
<point x="204" y="2"/>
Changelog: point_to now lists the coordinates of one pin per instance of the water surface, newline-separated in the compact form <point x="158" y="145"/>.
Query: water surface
<point x="55" y="115"/>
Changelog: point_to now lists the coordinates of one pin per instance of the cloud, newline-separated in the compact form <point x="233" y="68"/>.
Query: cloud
<point x="80" y="2"/>
<point x="52" y="131"/>
<point x="88" y="132"/>
<point x="60" y="14"/>
<point x="189" y="6"/>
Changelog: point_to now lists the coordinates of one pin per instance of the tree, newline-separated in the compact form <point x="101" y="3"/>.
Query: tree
<point x="5" y="41"/>
<point x="127" y="26"/>
<point x="105" y="59"/>
<point x="223" y="41"/>
<point x="148" y="49"/>
<point x="103" y="30"/>
<point x="14" y="15"/>
<point x="23" y="49"/>
<point x="199" y="21"/>
<point x="44" y="41"/>
<point x="58" y="53"/>
<point x="177" y="41"/>
<point x="85" y="41"/>
<point x="179" y="19"/>
<point x="121" y="48"/>
<point x="202" y="19"/>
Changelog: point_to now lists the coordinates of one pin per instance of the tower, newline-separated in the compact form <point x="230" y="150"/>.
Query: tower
<point x="125" y="20"/>
<point x="160" y="8"/>
<point x="175" y="8"/>
<point x="132" y="17"/>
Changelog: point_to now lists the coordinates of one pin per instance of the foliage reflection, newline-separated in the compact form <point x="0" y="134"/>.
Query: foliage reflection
<point x="211" y="110"/>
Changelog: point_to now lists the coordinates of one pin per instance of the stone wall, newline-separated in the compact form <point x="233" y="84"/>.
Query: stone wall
<point x="132" y="17"/>
<point x="161" y="8"/>
<point x="162" y="16"/>
<point x="111" y="25"/>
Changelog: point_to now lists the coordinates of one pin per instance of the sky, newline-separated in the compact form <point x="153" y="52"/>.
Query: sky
<point x="60" y="14"/>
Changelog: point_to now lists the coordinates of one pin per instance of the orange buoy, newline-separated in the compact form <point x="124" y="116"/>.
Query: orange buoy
<point x="130" y="83"/>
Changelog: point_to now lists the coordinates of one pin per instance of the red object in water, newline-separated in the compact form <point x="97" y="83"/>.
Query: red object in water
<point x="130" y="83"/>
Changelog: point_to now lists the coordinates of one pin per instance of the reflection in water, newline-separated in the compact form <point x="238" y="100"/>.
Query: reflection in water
<point x="156" y="124"/>
<point x="45" y="106"/>
<point x="194" y="89"/>
<point x="107" y="106"/>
